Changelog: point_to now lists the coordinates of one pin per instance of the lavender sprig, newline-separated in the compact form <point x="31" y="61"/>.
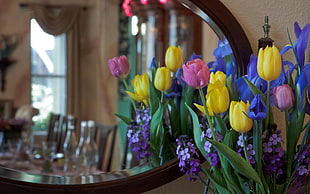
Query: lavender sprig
<point x="273" y="153"/>
<point x="138" y="134"/>
<point x="188" y="158"/>
<point x="249" y="149"/>
<point x="302" y="174"/>
<point x="212" y="154"/>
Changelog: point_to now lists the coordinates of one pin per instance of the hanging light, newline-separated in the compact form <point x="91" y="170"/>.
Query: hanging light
<point x="163" y="1"/>
<point x="144" y="2"/>
<point x="127" y="9"/>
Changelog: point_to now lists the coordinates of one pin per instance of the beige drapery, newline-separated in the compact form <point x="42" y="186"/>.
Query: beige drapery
<point x="57" y="20"/>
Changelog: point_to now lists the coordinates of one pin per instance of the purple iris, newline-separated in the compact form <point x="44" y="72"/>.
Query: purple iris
<point x="194" y="56"/>
<point x="223" y="49"/>
<point x="218" y="65"/>
<point x="306" y="71"/>
<point x="258" y="109"/>
<point x="300" y="89"/>
<point x="175" y="89"/>
<point x="300" y="47"/>
<point x="153" y="63"/>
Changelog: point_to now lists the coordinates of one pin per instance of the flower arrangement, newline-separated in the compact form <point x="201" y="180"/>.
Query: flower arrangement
<point x="245" y="149"/>
<point x="159" y="101"/>
<point x="195" y="110"/>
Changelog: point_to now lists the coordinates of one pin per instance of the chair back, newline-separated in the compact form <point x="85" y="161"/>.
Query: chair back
<point x="105" y="138"/>
<point x="62" y="133"/>
<point x="53" y="127"/>
<point x="57" y="130"/>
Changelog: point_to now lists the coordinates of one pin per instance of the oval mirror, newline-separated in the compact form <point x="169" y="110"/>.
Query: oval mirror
<point x="140" y="178"/>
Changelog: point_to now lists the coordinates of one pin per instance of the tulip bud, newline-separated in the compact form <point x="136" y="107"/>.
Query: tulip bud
<point x="283" y="97"/>
<point x="269" y="65"/>
<point x="174" y="58"/>
<point x="119" y="66"/>
<point x="140" y="85"/>
<point x="217" y="98"/>
<point x="196" y="73"/>
<point x="162" y="79"/>
<point x="218" y="75"/>
<point x="238" y="117"/>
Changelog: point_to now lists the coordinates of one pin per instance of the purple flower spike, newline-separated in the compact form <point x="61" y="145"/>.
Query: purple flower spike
<point x="138" y="134"/>
<point x="188" y="158"/>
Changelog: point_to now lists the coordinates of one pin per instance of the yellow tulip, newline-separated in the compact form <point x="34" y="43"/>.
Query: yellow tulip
<point x="140" y="85"/>
<point x="219" y="75"/>
<point x="217" y="98"/>
<point x="162" y="79"/>
<point x="238" y="116"/>
<point x="202" y="109"/>
<point x="174" y="58"/>
<point x="269" y="65"/>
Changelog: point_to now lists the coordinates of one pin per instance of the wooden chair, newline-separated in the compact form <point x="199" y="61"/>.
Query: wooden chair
<point x="53" y="127"/>
<point x="105" y="138"/>
<point x="62" y="132"/>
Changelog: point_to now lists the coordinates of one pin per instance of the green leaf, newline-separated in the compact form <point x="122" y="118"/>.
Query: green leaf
<point x="254" y="89"/>
<point x="123" y="118"/>
<point x="156" y="120"/>
<point x="154" y="98"/>
<point x="187" y="99"/>
<point x="220" y="186"/>
<point x="220" y="125"/>
<point x="197" y="132"/>
<point x="237" y="162"/>
<point x="230" y="175"/>
<point x="174" y="116"/>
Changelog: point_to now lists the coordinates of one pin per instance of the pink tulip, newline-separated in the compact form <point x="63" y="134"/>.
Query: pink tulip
<point x="283" y="97"/>
<point x="119" y="66"/>
<point x="196" y="73"/>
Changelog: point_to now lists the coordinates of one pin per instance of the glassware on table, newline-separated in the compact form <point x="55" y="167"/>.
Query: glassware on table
<point x="95" y="154"/>
<point x="14" y="146"/>
<point x="70" y="146"/>
<point x="84" y="150"/>
<point x="48" y="153"/>
<point x="87" y="151"/>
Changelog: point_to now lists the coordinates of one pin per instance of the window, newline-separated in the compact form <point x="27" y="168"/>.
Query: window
<point x="48" y="74"/>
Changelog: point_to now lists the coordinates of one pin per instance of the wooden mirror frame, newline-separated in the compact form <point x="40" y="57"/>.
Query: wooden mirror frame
<point x="133" y="180"/>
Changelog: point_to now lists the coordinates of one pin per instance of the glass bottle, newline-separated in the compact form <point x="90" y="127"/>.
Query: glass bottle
<point x="84" y="151"/>
<point x="70" y="146"/>
<point x="95" y="154"/>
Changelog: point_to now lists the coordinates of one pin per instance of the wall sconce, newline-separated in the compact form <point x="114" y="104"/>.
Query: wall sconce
<point x="8" y="44"/>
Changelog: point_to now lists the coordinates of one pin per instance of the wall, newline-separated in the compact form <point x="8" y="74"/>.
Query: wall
<point x="250" y="14"/>
<point x="15" y="21"/>
<point x="97" y="100"/>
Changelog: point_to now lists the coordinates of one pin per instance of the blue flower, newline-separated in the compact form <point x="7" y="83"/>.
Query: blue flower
<point x="218" y="65"/>
<point x="301" y="43"/>
<point x="194" y="56"/>
<point x="258" y="109"/>
<point x="223" y="49"/>
<point x="300" y="90"/>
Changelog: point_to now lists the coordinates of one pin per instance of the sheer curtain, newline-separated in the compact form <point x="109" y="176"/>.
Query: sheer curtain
<point x="57" y="20"/>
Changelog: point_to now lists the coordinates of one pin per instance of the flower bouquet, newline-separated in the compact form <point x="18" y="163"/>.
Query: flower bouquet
<point x="159" y="98"/>
<point x="246" y="151"/>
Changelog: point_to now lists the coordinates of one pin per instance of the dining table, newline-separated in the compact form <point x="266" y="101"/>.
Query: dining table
<point x="34" y="163"/>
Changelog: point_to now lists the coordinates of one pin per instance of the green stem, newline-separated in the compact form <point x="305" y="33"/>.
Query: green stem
<point x="207" y="114"/>
<point x="244" y="148"/>
<point x="127" y="88"/>
<point x="268" y="104"/>
<point x="258" y="146"/>
<point x="286" y="122"/>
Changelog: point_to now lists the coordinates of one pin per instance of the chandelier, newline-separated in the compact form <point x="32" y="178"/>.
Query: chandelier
<point x="128" y="10"/>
